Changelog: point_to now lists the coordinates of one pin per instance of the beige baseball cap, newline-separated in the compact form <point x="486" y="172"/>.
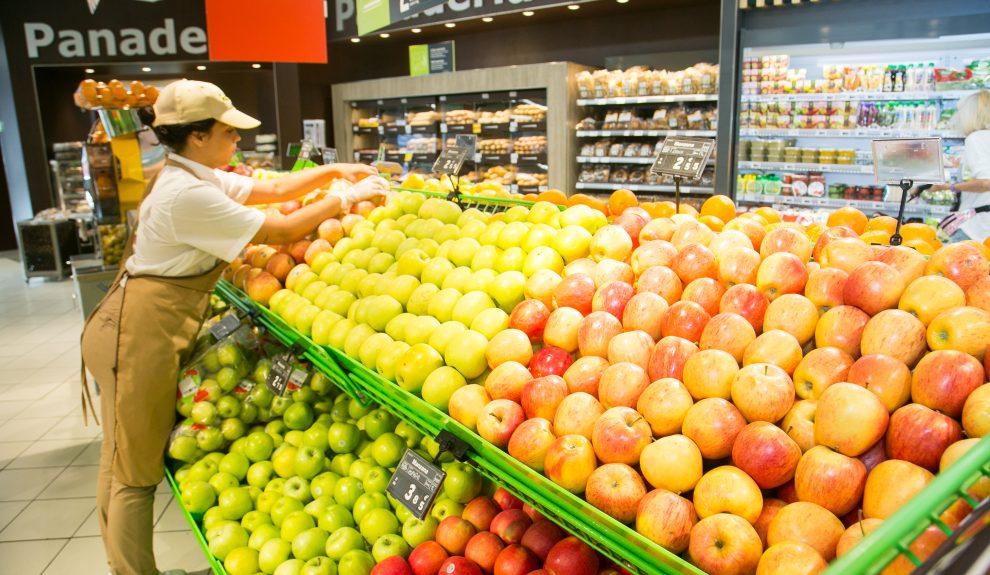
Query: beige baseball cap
<point x="185" y="101"/>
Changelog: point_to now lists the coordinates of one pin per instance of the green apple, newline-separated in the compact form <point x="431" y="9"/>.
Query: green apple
<point x="542" y="258"/>
<point x="387" y="240"/>
<point x="241" y="561"/>
<point x="303" y="281"/>
<point x="318" y="505"/>
<point x="298" y="488"/>
<point x="260" y="473"/>
<point x="448" y="232"/>
<point x="419" y="329"/>
<point x="367" y="502"/>
<point x="468" y="356"/>
<point x="378" y="422"/>
<point x="262" y="534"/>
<point x="415" y="365"/>
<point x="357" y="562"/>
<point x="299" y="416"/>
<point x="436" y="270"/>
<point x="339" y="302"/>
<point x="213" y="517"/>
<point x="254" y="519"/>
<point x="323" y="297"/>
<point x="352" y="281"/>
<point x="205" y="413"/>
<point x="360" y="467"/>
<point x="225" y="538"/>
<point x="572" y="242"/>
<point x="294" y="566"/>
<point x="447" y="212"/>
<point x="266" y="501"/>
<point x="407" y="245"/>
<point x="183" y="448"/>
<point x="284" y="460"/>
<point x="540" y="235"/>
<point x="396" y="328"/>
<point x="516" y="214"/>
<point x="442" y="305"/>
<point x="429" y="246"/>
<point x="316" y="436"/>
<point x="470" y="305"/>
<point x="328" y="272"/>
<point x="221" y="482"/>
<point x="376" y="480"/>
<point x="309" y="544"/>
<point x="309" y="462"/>
<point x="384" y="283"/>
<point x="490" y="322"/>
<point x="342" y="247"/>
<point x="280" y="405"/>
<point x="356" y="337"/>
<point x="512" y="235"/>
<point x="380" y="263"/>
<point x="389" y="358"/>
<point x="463" y="251"/>
<point x="275" y="303"/>
<point x="419" y="300"/>
<point x="362" y="237"/>
<point x="410" y="202"/>
<point x="463" y="482"/>
<point x="489" y="237"/>
<point x="458" y="279"/>
<point x="410" y="434"/>
<point x="383" y="310"/>
<point x="511" y="259"/>
<point x="412" y="263"/>
<point x="387" y="450"/>
<point x="294" y="437"/>
<point x="372" y="347"/>
<point x="228" y="406"/>
<point x="341" y="273"/>
<point x="273" y="553"/>
<point x="335" y="517"/>
<point x="470" y="215"/>
<point x="356" y="410"/>
<point x="401" y="512"/>
<point x="203" y="470"/>
<point x="276" y="427"/>
<point x="388" y="545"/>
<point x="440" y="385"/>
<point x="340" y="464"/>
<point x="444" y="334"/>
<point x="342" y="541"/>
<point x="446" y="507"/>
<point x="366" y="287"/>
<point x="480" y="280"/>
<point x="473" y="229"/>
<point x="485" y="257"/>
<point x="338" y="333"/>
<point x="323" y="484"/>
<point x="378" y="522"/>
<point x="542" y="212"/>
<point x="314" y="289"/>
<point x="233" y="428"/>
<point x="347" y="491"/>
<point x="416" y="531"/>
<point x="508" y="290"/>
<point x="402" y="288"/>
<point x="295" y="523"/>
<point x="277" y="485"/>
<point x="197" y="496"/>
<point x="343" y="437"/>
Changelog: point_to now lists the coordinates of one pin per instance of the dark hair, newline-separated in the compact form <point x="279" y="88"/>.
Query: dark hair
<point x="174" y="136"/>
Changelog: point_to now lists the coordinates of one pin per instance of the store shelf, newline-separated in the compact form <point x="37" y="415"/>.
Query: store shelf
<point x="647" y="100"/>
<point x="608" y="536"/>
<point x="656" y="188"/>
<point x="639" y="133"/>
<point x="860" y="96"/>
<point x="614" y="160"/>
<point x="912" y="208"/>
<point x="861" y="134"/>
<point x="799" y="167"/>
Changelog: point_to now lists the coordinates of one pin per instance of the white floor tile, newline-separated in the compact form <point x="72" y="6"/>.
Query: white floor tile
<point x="72" y="482"/>
<point x="55" y="404"/>
<point x="9" y="510"/>
<point x="172" y="519"/>
<point x="49" y="519"/>
<point x="16" y="349"/>
<point x="16" y="375"/>
<point x="27" y="429"/>
<point x="51" y="453"/>
<point x="31" y="389"/>
<point x="72" y="427"/>
<point x="25" y="484"/>
<point x="90" y="527"/>
<point x="80" y="556"/>
<point x="10" y="409"/>
<point x="90" y="455"/>
<point x="178" y="550"/>
<point x="9" y="450"/>
<point x="29" y="557"/>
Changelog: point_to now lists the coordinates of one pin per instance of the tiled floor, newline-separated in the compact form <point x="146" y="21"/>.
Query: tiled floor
<point x="48" y="458"/>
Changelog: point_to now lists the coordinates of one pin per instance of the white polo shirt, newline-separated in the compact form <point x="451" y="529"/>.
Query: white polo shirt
<point x="189" y="222"/>
<point x="976" y="163"/>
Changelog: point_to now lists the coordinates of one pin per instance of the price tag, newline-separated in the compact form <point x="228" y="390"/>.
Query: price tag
<point x="416" y="483"/>
<point x="467" y="141"/>
<point x="683" y="157"/>
<point x="329" y="155"/>
<point x="513" y="158"/>
<point x="226" y="326"/>
<point x="279" y="374"/>
<point x="450" y="160"/>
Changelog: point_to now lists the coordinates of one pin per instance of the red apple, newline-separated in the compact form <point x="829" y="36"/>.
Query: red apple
<point x="571" y="556"/>
<point x="460" y="566"/>
<point x="770" y="508"/>
<point x="668" y="357"/>
<point x="684" y="319"/>
<point x="510" y="525"/>
<point x="662" y="281"/>
<point x="892" y="484"/>
<point x="620" y="385"/>
<point x="330" y="230"/>
<point x="616" y="489"/>
<point x="666" y="519"/>
<point x="532" y="512"/>
<point x="530" y="441"/>
<point x="976" y="412"/>
<point x="849" y="419"/>
<point x="962" y="263"/>
<point x="633" y="224"/>
<point x="508" y="345"/>
<point x="747" y="301"/>
<point x="819" y="369"/>
<point x="483" y="549"/>
<point x="762" y="392"/>
<point x="793" y="313"/>
<point x="738" y="265"/>
<point x="584" y="266"/>
<point x="612" y="298"/>
<point x="943" y="380"/>
<point x="516" y="560"/>
<point x="561" y="329"/>
<point x="830" y="479"/>
<point x="854" y="534"/>
<point x="728" y="332"/>
<point x="315" y="248"/>
<point x="262" y="286"/>
<point x="645" y="312"/>
<point x="585" y="373"/>
<point x="842" y="327"/>
<point x="289" y="206"/>
<point x="775" y="347"/>
<point x="620" y="435"/>
<point x="781" y="273"/>
<point x="453" y="534"/>
<point x="909" y="263"/>
<point x="694" y="261"/>
<point x="480" y="511"/>
<point x="596" y="331"/>
<point x="541" y="537"/>
<point x="570" y="461"/>
<point x="652" y="253"/>
<point x="706" y="292"/>
<point x="825" y="288"/>
<point x="808" y="523"/>
<point x="542" y="396"/>
<point x="506" y="381"/>
<point x="920" y="435"/>
<point x="873" y="287"/>
<point x="713" y="424"/>
<point x="298" y="250"/>
<point x="657" y="229"/>
<point x="766" y="453"/>
<point x="609" y="270"/>
<point x="394" y="565"/>
<point x="664" y="403"/>
<point x="791" y="558"/>
<point x="550" y="361"/>
<point x="280" y="265"/>
<point x="427" y="558"/>
<point x="631" y="346"/>
<point x="577" y="413"/>
<point x="725" y="543"/>
<point x="874" y="456"/>
<point x="728" y="489"/>
<point x="885" y="376"/>
<point x="530" y="317"/>
<point x="260" y="257"/>
<point x="499" y="420"/>
<point x="576" y="291"/>
<point x="506" y="500"/>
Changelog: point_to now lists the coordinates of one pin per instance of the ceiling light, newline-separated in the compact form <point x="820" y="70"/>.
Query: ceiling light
<point x="146" y="69"/>
<point x="255" y="66"/>
<point x="528" y="13"/>
<point x="450" y="24"/>
<point x="355" y="40"/>
<point x="487" y="19"/>
<point x="622" y="1"/>
<point x="90" y="71"/>
<point x="201" y="67"/>
<point x="573" y="7"/>
<point x="385" y="35"/>
<point x="416" y="30"/>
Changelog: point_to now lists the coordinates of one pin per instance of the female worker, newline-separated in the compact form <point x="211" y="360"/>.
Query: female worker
<point x="972" y="219"/>
<point x="192" y="222"/>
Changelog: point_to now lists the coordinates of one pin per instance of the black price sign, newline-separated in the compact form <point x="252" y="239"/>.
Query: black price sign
<point x="450" y="160"/>
<point x="329" y="155"/>
<point x="683" y="157"/>
<point x="226" y="326"/>
<point x="467" y="141"/>
<point x="279" y="374"/>
<point x="416" y="483"/>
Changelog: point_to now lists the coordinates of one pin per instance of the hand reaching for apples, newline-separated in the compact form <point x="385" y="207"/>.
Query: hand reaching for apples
<point x="355" y="172"/>
<point x="368" y="188"/>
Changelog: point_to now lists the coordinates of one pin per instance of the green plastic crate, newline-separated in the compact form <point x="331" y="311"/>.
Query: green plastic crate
<point x="195" y="525"/>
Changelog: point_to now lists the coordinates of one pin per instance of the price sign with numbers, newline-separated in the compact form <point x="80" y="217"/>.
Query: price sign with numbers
<point x="329" y="155"/>
<point x="226" y="326"/>
<point x="450" y="160"/>
<point x="683" y="157"/>
<point x="416" y="483"/>
<point x="279" y="374"/>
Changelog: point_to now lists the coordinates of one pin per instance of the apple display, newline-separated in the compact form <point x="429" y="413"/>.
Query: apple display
<point x="666" y="519"/>
<point x="724" y="543"/>
<point x="849" y="419"/>
<point x="616" y="489"/>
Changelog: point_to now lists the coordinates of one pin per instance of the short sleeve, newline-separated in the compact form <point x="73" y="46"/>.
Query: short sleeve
<point x="236" y="186"/>
<point x="210" y="221"/>
<point x="977" y="154"/>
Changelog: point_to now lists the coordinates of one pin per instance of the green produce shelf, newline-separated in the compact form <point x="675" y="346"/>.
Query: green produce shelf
<point x="483" y="203"/>
<point x="194" y="525"/>
<point x="897" y="532"/>
<point x="610" y="537"/>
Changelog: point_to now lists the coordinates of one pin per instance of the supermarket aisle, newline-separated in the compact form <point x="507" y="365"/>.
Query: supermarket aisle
<point x="48" y="457"/>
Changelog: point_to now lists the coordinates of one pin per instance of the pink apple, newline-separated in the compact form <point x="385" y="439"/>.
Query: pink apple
<point x="585" y="373"/>
<point x="576" y="291"/>
<point x="508" y="345"/>
<point x="596" y="331"/>
<point x="498" y="420"/>
<point x="542" y="396"/>
<point x="669" y="356"/>
<point x="466" y="403"/>
<point x="612" y="271"/>
<point x="530" y="441"/>
<point x="631" y="346"/>
<point x="650" y="254"/>
<point x="612" y="298"/>
<point x="620" y="435"/>
<point x="616" y="489"/>
<point x="577" y="414"/>
<point x="621" y="385"/>
<point x="561" y="329"/>
<point x="507" y="380"/>
<point x="662" y="281"/>
<point x="550" y="361"/>
<point x="766" y="453"/>
<point x="645" y="312"/>
<point x="530" y="317"/>
<point x="611" y="242"/>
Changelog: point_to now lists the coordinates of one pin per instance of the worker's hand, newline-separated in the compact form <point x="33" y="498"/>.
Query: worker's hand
<point x="938" y="187"/>
<point x="355" y="172"/>
<point x="367" y="189"/>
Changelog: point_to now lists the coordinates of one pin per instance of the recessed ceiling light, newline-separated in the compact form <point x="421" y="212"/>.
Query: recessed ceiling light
<point x="528" y="13"/>
<point x="573" y="7"/>
<point x="355" y="40"/>
<point x="622" y="1"/>
<point x="201" y="67"/>
<point x="90" y="71"/>
<point x="487" y="19"/>
<point x="255" y="66"/>
<point x="450" y="24"/>
<point x="416" y="30"/>
<point x="385" y="35"/>
<point x="146" y="69"/>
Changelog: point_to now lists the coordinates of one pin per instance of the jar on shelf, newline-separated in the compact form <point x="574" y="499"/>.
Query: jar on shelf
<point x="836" y="191"/>
<point x="757" y="150"/>
<point x="799" y="184"/>
<point x="826" y="156"/>
<point x="816" y="185"/>
<point x="792" y="155"/>
<point x="772" y="185"/>
<point x="809" y="156"/>
<point x="845" y="157"/>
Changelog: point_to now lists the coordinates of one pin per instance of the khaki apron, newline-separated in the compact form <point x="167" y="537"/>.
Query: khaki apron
<point x="134" y="344"/>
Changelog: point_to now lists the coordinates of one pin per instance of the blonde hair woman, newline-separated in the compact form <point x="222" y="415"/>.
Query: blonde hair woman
<point x="972" y="219"/>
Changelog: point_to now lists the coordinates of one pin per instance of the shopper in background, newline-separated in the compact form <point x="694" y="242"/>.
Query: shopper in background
<point x="192" y="222"/>
<point x="972" y="219"/>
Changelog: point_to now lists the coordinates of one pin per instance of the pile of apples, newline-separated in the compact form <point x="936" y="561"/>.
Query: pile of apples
<point x="738" y="389"/>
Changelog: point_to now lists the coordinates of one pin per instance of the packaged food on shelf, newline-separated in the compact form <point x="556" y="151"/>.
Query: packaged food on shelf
<point x="372" y="122"/>
<point x="529" y="113"/>
<point x="91" y="94"/>
<point x="423" y="118"/>
<point x="530" y="145"/>
<point x="422" y="145"/>
<point x="497" y="117"/>
<point x="588" y="123"/>
<point x="460" y="117"/>
<point x="531" y="180"/>
<point x="639" y="81"/>
<point x="495" y="146"/>
<point x="504" y="175"/>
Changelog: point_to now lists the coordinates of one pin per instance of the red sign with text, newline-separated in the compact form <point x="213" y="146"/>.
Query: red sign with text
<point x="266" y="31"/>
